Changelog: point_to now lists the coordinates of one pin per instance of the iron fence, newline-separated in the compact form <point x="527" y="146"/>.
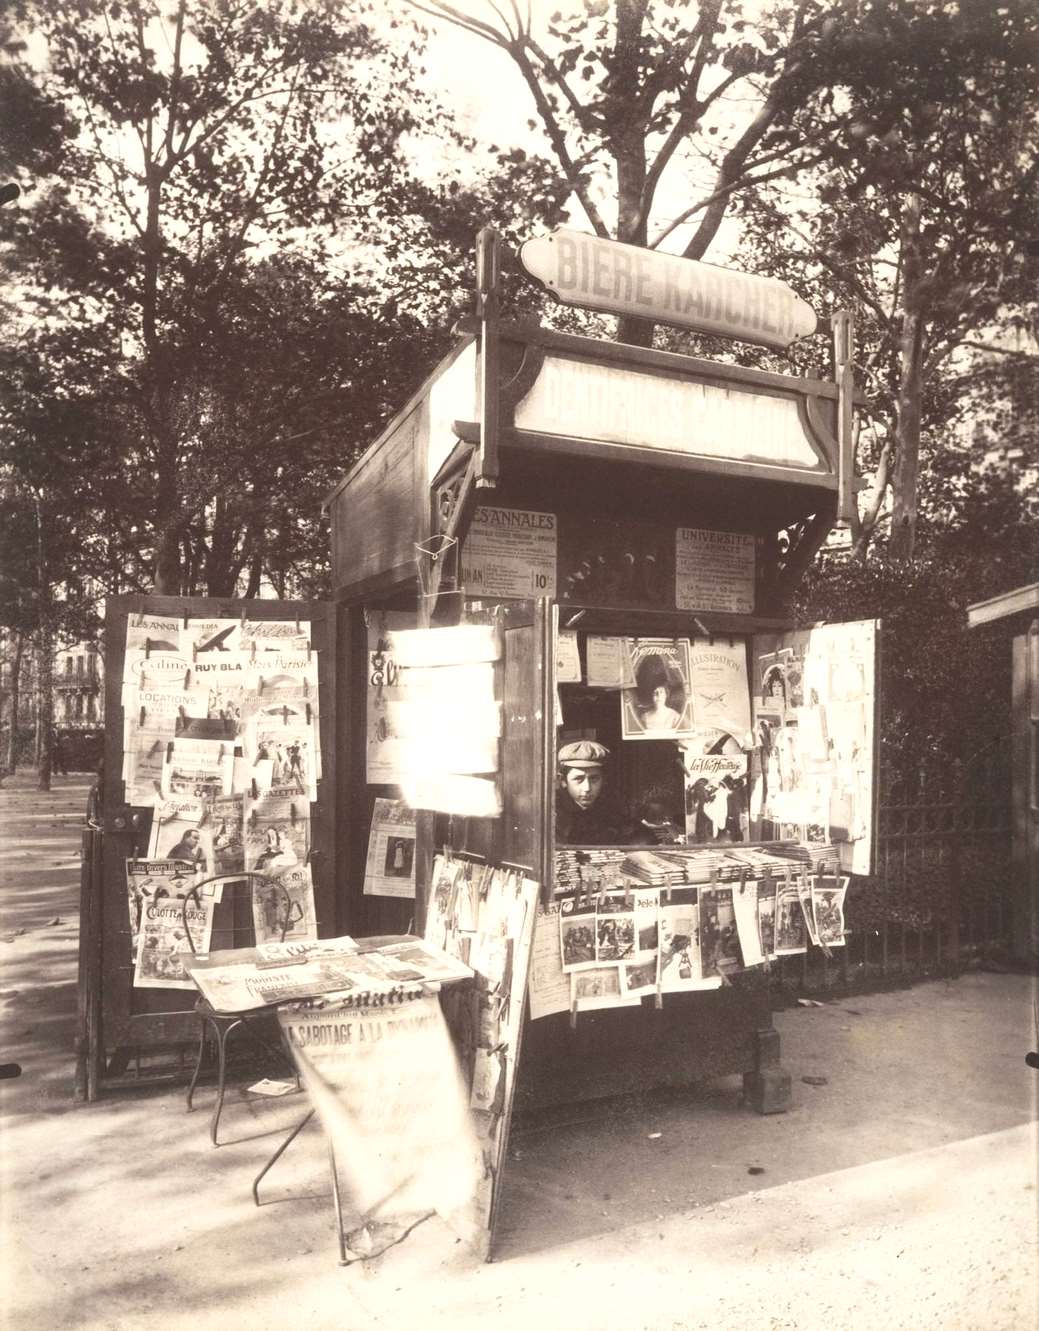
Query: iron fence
<point x="941" y="892"/>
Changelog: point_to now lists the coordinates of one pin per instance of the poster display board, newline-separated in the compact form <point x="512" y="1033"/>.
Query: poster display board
<point x="486" y="917"/>
<point x="230" y="713"/>
<point x="815" y="717"/>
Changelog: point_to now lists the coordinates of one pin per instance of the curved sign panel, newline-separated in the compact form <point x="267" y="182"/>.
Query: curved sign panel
<point x="626" y="279"/>
<point x="614" y="405"/>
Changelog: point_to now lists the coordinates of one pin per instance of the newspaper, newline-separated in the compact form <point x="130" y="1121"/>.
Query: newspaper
<point x="163" y="947"/>
<point x="246" y="985"/>
<point x="767" y="916"/>
<point x="609" y="663"/>
<point x="568" y="658"/>
<point x="549" y="987"/>
<point x="641" y="977"/>
<point x="390" y="866"/>
<point x="316" y="949"/>
<point x="201" y="637"/>
<point x="748" y="930"/>
<point x="433" y="963"/>
<point x="275" y="635"/>
<point x="383" y="762"/>
<point x="384" y="1080"/>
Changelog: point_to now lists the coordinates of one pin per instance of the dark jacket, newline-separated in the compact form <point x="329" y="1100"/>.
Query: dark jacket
<point x="598" y="826"/>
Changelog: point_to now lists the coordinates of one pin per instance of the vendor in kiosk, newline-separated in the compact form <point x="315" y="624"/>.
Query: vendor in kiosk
<point x="583" y="816"/>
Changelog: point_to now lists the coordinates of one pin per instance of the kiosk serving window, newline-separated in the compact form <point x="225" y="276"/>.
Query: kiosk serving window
<point x="718" y="740"/>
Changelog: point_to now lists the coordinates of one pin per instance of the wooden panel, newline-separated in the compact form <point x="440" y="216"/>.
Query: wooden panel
<point x="522" y="755"/>
<point x="377" y="514"/>
<point x="692" y="1038"/>
<point x="1025" y="795"/>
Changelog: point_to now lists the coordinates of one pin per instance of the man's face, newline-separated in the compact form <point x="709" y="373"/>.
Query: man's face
<point x="584" y="785"/>
<point x="192" y="838"/>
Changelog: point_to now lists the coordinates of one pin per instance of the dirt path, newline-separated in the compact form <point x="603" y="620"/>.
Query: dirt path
<point x="898" y="1194"/>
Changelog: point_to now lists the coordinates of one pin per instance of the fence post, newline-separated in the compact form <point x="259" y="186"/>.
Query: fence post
<point x="955" y="903"/>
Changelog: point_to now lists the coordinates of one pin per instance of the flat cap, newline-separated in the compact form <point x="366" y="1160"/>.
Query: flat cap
<point x="583" y="753"/>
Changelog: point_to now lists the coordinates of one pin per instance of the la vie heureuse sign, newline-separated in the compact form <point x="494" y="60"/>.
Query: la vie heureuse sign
<point x="626" y="279"/>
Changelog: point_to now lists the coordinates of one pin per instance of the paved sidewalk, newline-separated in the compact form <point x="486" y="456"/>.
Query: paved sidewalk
<point x="899" y="1194"/>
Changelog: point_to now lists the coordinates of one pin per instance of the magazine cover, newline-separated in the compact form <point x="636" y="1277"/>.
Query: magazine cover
<point x="614" y="930"/>
<point x="223" y="817"/>
<point x="276" y="635"/>
<point x="577" y="937"/>
<point x="163" y="946"/>
<point x="790" y="922"/>
<point x="719" y="941"/>
<point x="202" y="637"/>
<point x="767" y="916"/>
<point x="177" y="833"/>
<point x="288" y="903"/>
<point x="157" y="633"/>
<point x="277" y="830"/>
<point x="828" y="896"/>
<point x="659" y="706"/>
<point x="748" y="929"/>
<point x="717" y="805"/>
<point x="389" y="870"/>
<point x="600" y="987"/>
<point x="680" y="940"/>
<point x="199" y="767"/>
<point x="287" y="676"/>
<point x="282" y="734"/>
<point x="640" y="977"/>
<point x="148" y="881"/>
<point x="720" y="688"/>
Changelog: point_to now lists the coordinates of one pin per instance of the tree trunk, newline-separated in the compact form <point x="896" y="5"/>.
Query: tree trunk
<point x="905" y="472"/>
<point x="10" y="760"/>
<point x="45" y="706"/>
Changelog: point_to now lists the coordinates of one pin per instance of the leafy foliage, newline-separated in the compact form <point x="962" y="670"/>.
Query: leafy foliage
<point x="237" y="266"/>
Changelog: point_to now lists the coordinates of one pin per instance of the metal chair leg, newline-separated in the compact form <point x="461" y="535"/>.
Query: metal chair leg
<point x="203" y="1021"/>
<point x="343" y="1260"/>
<point x="222" y="1032"/>
<point x="279" y="1153"/>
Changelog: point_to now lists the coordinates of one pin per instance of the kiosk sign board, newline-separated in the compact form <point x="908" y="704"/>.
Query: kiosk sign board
<point x="627" y="279"/>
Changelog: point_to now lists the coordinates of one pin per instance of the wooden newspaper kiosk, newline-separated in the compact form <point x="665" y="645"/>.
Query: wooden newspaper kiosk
<point x="554" y="485"/>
